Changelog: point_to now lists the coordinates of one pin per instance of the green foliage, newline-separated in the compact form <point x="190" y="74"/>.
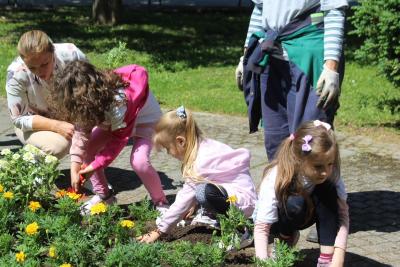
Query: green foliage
<point x="142" y="212"/>
<point x="377" y="21"/>
<point x="6" y="242"/>
<point x="367" y="100"/>
<point x="284" y="256"/>
<point x="185" y="254"/>
<point x="142" y="255"/>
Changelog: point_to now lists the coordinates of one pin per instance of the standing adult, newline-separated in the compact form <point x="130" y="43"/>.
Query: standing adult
<point x="293" y="67"/>
<point x="28" y="79"/>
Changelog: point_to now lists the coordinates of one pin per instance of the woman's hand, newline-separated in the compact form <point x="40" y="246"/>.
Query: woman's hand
<point x="149" y="237"/>
<point x="64" y="128"/>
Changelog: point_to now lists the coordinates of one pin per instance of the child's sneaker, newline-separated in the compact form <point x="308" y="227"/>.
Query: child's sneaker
<point x="246" y="239"/>
<point x="202" y="218"/>
<point x="85" y="208"/>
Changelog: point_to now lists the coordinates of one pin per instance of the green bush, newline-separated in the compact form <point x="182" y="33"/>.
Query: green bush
<point x="377" y="22"/>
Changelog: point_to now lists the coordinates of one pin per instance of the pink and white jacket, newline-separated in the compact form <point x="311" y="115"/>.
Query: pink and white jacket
<point x="136" y="95"/>
<point x="217" y="163"/>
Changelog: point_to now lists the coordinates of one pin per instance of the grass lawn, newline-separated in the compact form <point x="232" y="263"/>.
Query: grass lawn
<point x="191" y="57"/>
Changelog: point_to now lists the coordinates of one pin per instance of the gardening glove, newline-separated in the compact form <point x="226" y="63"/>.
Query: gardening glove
<point x="239" y="74"/>
<point x="327" y="88"/>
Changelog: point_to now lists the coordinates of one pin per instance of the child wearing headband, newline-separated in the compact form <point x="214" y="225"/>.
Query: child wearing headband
<point x="302" y="186"/>
<point x="213" y="172"/>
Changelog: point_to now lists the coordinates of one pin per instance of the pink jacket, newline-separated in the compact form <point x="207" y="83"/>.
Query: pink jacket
<point x="135" y="94"/>
<point x="218" y="163"/>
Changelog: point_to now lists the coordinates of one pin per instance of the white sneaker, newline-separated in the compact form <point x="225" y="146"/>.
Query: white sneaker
<point x="246" y="239"/>
<point x="162" y="209"/>
<point x="85" y="208"/>
<point x="202" y="219"/>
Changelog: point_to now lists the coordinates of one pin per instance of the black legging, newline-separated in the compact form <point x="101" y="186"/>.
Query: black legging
<point x="212" y="198"/>
<point x="325" y="214"/>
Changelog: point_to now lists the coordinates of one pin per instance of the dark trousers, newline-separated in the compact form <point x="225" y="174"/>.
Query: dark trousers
<point x="325" y="214"/>
<point x="287" y="100"/>
<point x="212" y="198"/>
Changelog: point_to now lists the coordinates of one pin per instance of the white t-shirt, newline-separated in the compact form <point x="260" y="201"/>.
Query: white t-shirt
<point x="266" y="210"/>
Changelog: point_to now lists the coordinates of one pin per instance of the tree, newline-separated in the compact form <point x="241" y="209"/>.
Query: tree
<point x="107" y="11"/>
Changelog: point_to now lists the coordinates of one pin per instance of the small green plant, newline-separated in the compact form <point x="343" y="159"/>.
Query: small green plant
<point x="283" y="256"/>
<point x="233" y="225"/>
<point x="140" y="255"/>
<point x="185" y="254"/>
<point x="142" y="212"/>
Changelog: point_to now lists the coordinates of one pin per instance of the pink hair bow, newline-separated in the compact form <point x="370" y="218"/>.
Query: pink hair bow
<point x="306" y="147"/>
<point x="321" y="123"/>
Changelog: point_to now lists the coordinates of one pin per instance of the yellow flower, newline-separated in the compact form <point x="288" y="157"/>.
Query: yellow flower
<point x="34" y="205"/>
<point x="52" y="252"/>
<point x="98" y="208"/>
<point x="61" y="193"/>
<point x="74" y="195"/>
<point x="20" y="256"/>
<point x="32" y="228"/>
<point x="232" y="199"/>
<point x="8" y="195"/>
<point x="66" y="265"/>
<point x="127" y="223"/>
<point x="1" y="188"/>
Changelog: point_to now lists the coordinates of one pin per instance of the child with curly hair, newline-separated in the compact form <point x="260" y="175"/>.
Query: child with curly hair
<point x="107" y="109"/>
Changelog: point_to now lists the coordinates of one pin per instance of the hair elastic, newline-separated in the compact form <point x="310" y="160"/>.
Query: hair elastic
<point x="181" y="112"/>
<point x="306" y="147"/>
<point x="321" y="123"/>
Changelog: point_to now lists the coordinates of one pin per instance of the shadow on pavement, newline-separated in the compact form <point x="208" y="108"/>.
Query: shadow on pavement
<point x="352" y="260"/>
<point x="374" y="210"/>
<point x="120" y="179"/>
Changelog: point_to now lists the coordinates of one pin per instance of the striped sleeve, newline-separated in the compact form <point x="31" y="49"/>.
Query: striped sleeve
<point x="334" y="34"/>
<point x="255" y="24"/>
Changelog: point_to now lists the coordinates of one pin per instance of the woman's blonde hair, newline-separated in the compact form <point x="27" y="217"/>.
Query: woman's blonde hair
<point x="291" y="155"/>
<point x="181" y="123"/>
<point x="34" y="42"/>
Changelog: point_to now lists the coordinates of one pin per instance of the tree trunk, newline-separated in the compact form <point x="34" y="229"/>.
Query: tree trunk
<point x="107" y="11"/>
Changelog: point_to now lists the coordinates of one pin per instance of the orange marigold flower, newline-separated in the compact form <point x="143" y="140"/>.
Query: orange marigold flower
<point x="61" y="193"/>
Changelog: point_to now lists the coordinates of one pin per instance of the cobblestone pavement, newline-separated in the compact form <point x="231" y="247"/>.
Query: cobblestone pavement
<point x="370" y="169"/>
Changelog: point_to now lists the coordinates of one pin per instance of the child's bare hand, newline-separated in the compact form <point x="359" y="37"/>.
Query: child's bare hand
<point x="87" y="171"/>
<point x="149" y="237"/>
<point x="75" y="167"/>
<point x="190" y="212"/>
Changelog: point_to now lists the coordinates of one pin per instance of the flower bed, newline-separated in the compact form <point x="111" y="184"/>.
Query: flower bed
<point x="43" y="227"/>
